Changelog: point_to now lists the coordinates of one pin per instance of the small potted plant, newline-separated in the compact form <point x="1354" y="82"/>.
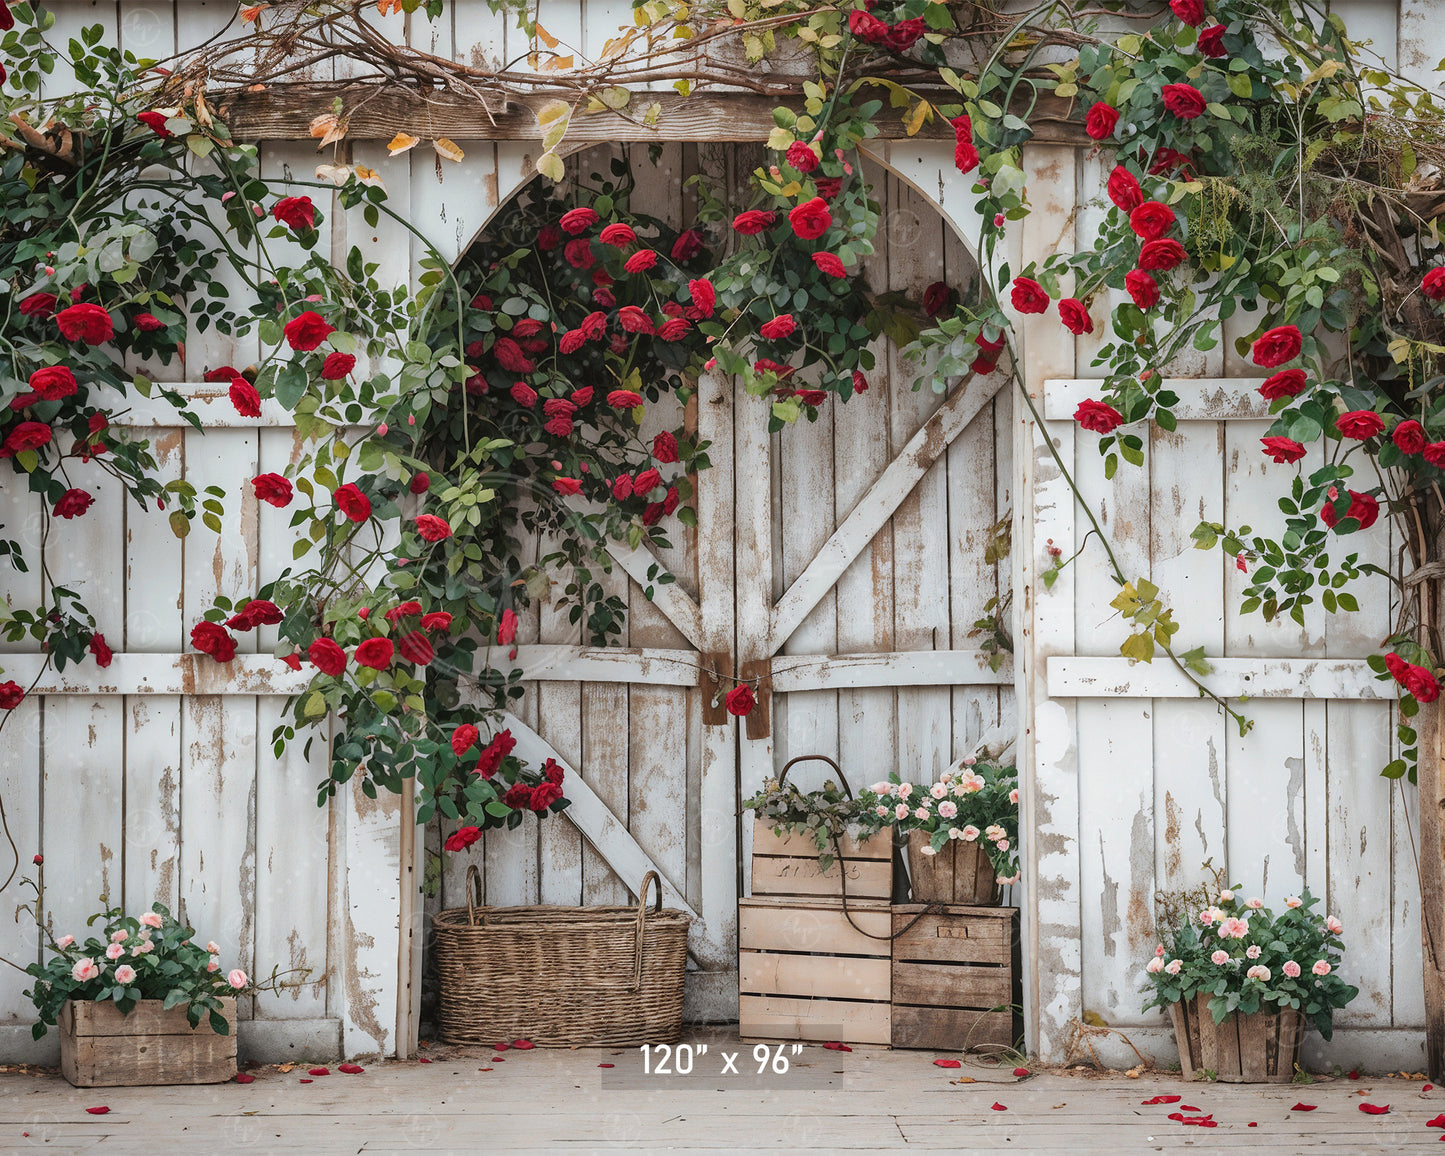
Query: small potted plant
<point x="962" y="830"/>
<point x="129" y="1002"/>
<point x="1242" y="984"/>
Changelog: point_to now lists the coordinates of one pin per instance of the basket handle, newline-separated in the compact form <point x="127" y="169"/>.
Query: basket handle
<point x="641" y="929"/>
<point x="474" y="886"/>
<point x="806" y="758"/>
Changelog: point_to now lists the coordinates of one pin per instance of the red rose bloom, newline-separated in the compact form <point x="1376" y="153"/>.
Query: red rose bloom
<point x="1028" y="296"/>
<point x="828" y="187"/>
<point x="740" y="700"/>
<point x="432" y="528"/>
<point x="801" y="157"/>
<point x="937" y="299"/>
<point x="828" y="263"/>
<point x="572" y="341"/>
<point x="1211" y="41"/>
<point x="811" y="219"/>
<point x="88" y="323"/>
<point x="1124" y="189"/>
<point x="327" y="657"/>
<point x="352" y="502"/>
<point x="703" y="296"/>
<point x="1142" y="288"/>
<point x="463" y="738"/>
<point x="494" y="752"/>
<point x="641" y="261"/>
<point x="53" y="383"/>
<point x="523" y="394"/>
<point x="1360" y="424"/>
<point x="544" y="795"/>
<point x="674" y="329"/>
<point x="1167" y="159"/>
<point x="578" y="220"/>
<point x="664" y="448"/>
<point x="518" y="797"/>
<point x="223" y="373"/>
<point x="306" y="331"/>
<point x="100" y="651"/>
<point x="634" y="320"/>
<point x="420" y="483"/>
<point x="594" y="325"/>
<point x="866" y="26"/>
<point x="403" y="610"/>
<point x="148" y="322"/>
<point x="622" y="488"/>
<point x="1100" y="120"/>
<point x="1433" y="284"/>
<point x="553" y="772"/>
<point x="296" y="213"/>
<point x="624" y="399"/>
<point x="779" y="328"/>
<point x="548" y="238"/>
<point x="965" y="156"/>
<point x="462" y="838"/>
<point x="211" y="638"/>
<point x="860" y="383"/>
<point x="1189" y="11"/>
<point x="73" y="503"/>
<point x="28" y="435"/>
<point x="750" y="222"/>
<point x="1408" y="436"/>
<point x="1098" y="416"/>
<point x="1276" y="346"/>
<point x="510" y="357"/>
<point x="567" y="486"/>
<point x="156" y="121"/>
<point x="245" y="398"/>
<point x="375" y="653"/>
<point x="1151" y="220"/>
<point x="1415" y="679"/>
<point x="578" y="253"/>
<point x="11" y="695"/>
<point x="257" y="612"/>
<point x="1284" y="451"/>
<point x="1164" y="253"/>
<point x="337" y="366"/>
<point x="436" y="620"/>
<point x="1285" y="383"/>
<point x="416" y="648"/>
<point x="687" y="246"/>
<point x="558" y="407"/>
<point x="1184" y="100"/>
<point x="40" y="305"/>
<point x="1364" y="509"/>
<point x="646" y="482"/>
<point x="272" y="488"/>
<point x="619" y="235"/>
<point x="905" y="34"/>
<point x="507" y="627"/>
<point x="1075" y="317"/>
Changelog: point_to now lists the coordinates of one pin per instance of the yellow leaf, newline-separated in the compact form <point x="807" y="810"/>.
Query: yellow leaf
<point x="1326" y="70"/>
<point x="401" y="143"/>
<point x="547" y="38"/>
<point x="554" y="136"/>
<point x="913" y="119"/>
<point x="549" y="165"/>
<point x="779" y="139"/>
<point x="551" y="111"/>
<point x="652" y="114"/>
<point x="615" y="98"/>
<point x="447" y="150"/>
<point x="558" y="64"/>
<point x="368" y="177"/>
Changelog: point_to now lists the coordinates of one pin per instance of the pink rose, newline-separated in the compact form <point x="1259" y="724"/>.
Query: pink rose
<point x="1233" y="928"/>
<point x="1291" y="969"/>
<point x="237" y="979"/>
<point x="970" y="833"/>
<point x="1259" y="972"/>
<point x="1174" y="966"/>
<point x="84" y="970"/>
<point x="1321" y="967"/>
<point x="1154" y="966"/>
<point x="114" y="951"/>
<point x="214" y="964"/>
<point x="1254" y="903"/>
<point x="65" y="941"/>
<point x="1253" y="952"/>
<point x="900" y="811"/>
<point x="1293" y="901"/>
<point x="1219" y="958"/>
<point x="125" y="974"/>
<point x="1333" y="926"/>
<point x="151" y="919"/>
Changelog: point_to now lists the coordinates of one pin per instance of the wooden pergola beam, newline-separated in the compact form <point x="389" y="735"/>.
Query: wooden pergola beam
<point x="285" y="112"/>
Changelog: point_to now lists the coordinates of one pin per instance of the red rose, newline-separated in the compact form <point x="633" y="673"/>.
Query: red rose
<point x="245" y="398"/>
<point x="436" y="620"/>
<point x="753" y="221"/>
<point x="223" y="373"/>
<point x="211" y="638"/>
<point x="860" y="383"/>
<point x="1283" y="451"/>
<point x="1408" y="436"/>
<point x="257" y="612"/>
<point x="1167" y="159"/>
<point x="811" y="219"/>
<point x="594" y="325"/>
<point x="88" y="323"/>
<point x="571" y="341"/>
<point x="523" y="394"/>
<point x="1124" y="189"/>
<point x="552" y="771"/>
<point x="767" y="365"/>
<point x="634" y="320"/>
<point x="674" y="329"/>
<point x="624" y="399"/>
<point x="1151" y="220"/>
<point x="403" y="610"/>
<point x="327" y="657"/>
<point x="1075" y="317"/>
<point x="494" y="752"/>
<point x="567" y="486"/>
<point x="646" y="482"/>
<point x="905" y="34"/>
<point x="101" y="652"/>
<point x="11" y="695"/>
<point x="462" y="838"/>
<point x="148" y="322"/>
<point x="1415" y="679"/>
<point x="1276" y="346"/>
<point x="38" y="305"/>
<point x="559" y="427"/>
<point x="1164" y="253"/>
<point x="1142" y="287"/>
<point x="544" y="795"/>
<point x="507" y="627"/>
<point x="1189" y="11"/>
<point x="578" y="253"/>
<point x="740" y="700"/>
<point x="780" y="327"/>
<point x="1211" y="41"/>
<point x="866" y="26"/>
<point x="510" y="357"/>
<point x="937" y="299"/>
<point x="1364" y="509"/>
<point x="548" y="238"/>
<point x="337" y="366"/>
<point x="1100" y="120"/>
<point x="416" y="648"/>
<point x="1184" y="100"/>
<point x="641" y="261"/>
<point x="420" y="482"/>
<point x="622" y="487"/>
<point x="296" y="213"/>
<point x="156" y="121"/>
<point x="352" y="502"/>
<point x="1285" y="383"/>
<point x="1433" y="284"/>
<point x="1098" y="416"/>
<point x="53" y="383"/>
<point x="801" y="157"/>
<point x="965" y="156"/>
<point x="578" y="220"/>
<point x="463" y="738"/>
<point x="618" y="235"/>
<point x="703" y="296"/>
<point x="1360" y="424"/>
<point x="518" y="797"/>
<point x="28" y="435"/>
<point x="828" y="263"/>
<point x="828" y="187"/>
<point x="1028" y="296"/>
<point x="73" y="503"/>
<point x="306" y="331"/>
<point x="23" y="401"/>
<point x="432" y="528"/>
<point x="272" y="488"/>
<point x="687" y="246"/>
<point x="375" y="653"/>
<point x="664" y="448"/>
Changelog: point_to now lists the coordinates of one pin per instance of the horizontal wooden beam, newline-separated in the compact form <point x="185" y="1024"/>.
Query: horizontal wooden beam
<point x="797" y="672"/>
<point x="1318" y="678"/>
<point x="1200" y="398"/>
<point x="285" y="112"/>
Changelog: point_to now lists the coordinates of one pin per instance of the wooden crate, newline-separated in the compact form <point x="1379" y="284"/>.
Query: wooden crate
<point x="788" y="865"/>
<point x="805" y="973"/>
<point x="101" y="1048"/>
<point x="956" y="980"/>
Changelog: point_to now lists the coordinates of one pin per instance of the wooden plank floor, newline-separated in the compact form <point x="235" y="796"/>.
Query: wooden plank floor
<point x="868" y="1100"/>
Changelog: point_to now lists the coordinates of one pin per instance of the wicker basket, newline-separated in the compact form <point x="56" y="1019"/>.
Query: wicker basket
<point x="561" y="976"/>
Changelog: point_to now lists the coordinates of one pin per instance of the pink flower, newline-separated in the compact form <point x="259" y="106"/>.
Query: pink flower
<point x="921" y="813"/>
<point x="1001" y="844"/>
<point x="1253" y="951"/>
<point x="84" y="970"/>
<point x="65" y="941"/>
<point x="1291" y="969"/>
<point x="1219" y="958"/>
<point x="970" y="833"/>
<point x="237" y="979"/>
<point x="1259" y="972"/>
<point x="1333" y="925"/>
<point x="114" y="951"/>
<point x="1159" y="950"/>
<point x="1254" y="903"/>
<point x="143" y="948"/>
<point x="1154" y="966"/>
<point x="948" y="809"/>
<point x="900" y="811"/>
<point x="1013" y="796"/>
<point x="119" y="936"/>
<point x="904" y="790"/>
<point x="1226" y="896"/>
<point x="1233" y="928"/>
<point x="1174" y="966"/>
<point x="993" y="833"/>
<point x="213" y="948"/>
<point x="1321" y="967"/>
<point x="881" y="812"/>
<point x="151" y="919"/>
<point x="125" y="974"/>
<point x="214" y="964"/>
<point x="938" y="790"/>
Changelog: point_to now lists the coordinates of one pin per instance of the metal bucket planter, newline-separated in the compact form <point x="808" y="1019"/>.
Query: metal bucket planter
<point x="1260" y="1048"/>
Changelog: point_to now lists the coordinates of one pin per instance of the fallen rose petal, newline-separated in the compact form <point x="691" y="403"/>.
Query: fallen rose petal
<point x="1375" y="1109"/>
<point x="500" y="1047"/>
<point x="1021" y="1072"/>
<point x="606" y="1065"/>
<point x="499" y="1059"/>
<point x="997" y="1107"/>
<point x="1354" y="1075"/>
<point x="1308" y="1108"/>
<point x="1190" y="1108"/>
<point x="1437" y="1122"/>
<point x="318" y="1071"/>
<point x="306" y="1081"/>
<point x="835" y="1046"/>
<point x="351" y="1069"/>
<point x="947" y="1064"/>
<point x="1428" y="1088"/>
<point x="101" y="1111"/>
<point x="1176" y="1115"/>
<point x="1252" y="1124"/>
<point x="523" y="1045"/>
<point x="484" y="1069"/>
<point x="1163" y="1100"/>
<point x="422" y="1060"/>
<point x="244" y="1078"/>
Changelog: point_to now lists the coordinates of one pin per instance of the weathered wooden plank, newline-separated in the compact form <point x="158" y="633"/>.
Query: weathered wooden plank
<point x="813" y="976"/>
<point x="801" y="875"/>
<point x="892" y="668"/>
<point x="21" y="778"/>
<point x="1071" y="676"/>
<point x="783" y="1018"/>
<point x="943" y="985"/>
<point x="1200" y="398"/>
<point x="951" y="1029"/>
<point x="766" y="841"/>
<point x="675" y="603"/>
<point x="805" y="925"/>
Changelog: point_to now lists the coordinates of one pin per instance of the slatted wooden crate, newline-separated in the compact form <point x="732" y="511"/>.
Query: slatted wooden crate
<point x="787" y="864"/>
<point x="805" y="973"/>
<point x="956" y="980"/>
<point x="100" y="1047"/>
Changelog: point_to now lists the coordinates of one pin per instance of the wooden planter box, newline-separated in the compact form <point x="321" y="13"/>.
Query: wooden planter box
<point x="956" y="979"/>
<point x="101" y="1048"/>
<point x="1262" y="1048"/>
<point x="788" y="865"/>
<point x="805" y="973"/>
<point x="960" y="873"/>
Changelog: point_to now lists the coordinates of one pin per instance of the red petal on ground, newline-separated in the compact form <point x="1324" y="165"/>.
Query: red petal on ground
<point x="523" y="1045"/>
<point x="500" y="1047"/>
<point x="1252" y="1124"/>
<point x="1304" y="1107"/>
<point x="243" y="1078"/>
<point x="1176" y="1115"/>
<point x="499" y="1059"/>
<point x="351" y="1069"/>
<point x="1021" y="1072"/>
<point x="947" y="1064"/>
<point x="1163" y="1100"/>
<point x="1354" y="1075"/>
<point x="1375" y="1109"/>
<point x="318" y="1071"/>
<point x="1437" y="1122"/>
<point x="101" y="1111"/>
<point x="997" y="1107"/>
<point x="484" y="1069"/>
<point x="835" y="1046"/>
<point x="308" y="1081"/>
<point x="606" y="1065"/>
<point x="1190" y="1108"/>
<point x="1428" y="1088"/>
